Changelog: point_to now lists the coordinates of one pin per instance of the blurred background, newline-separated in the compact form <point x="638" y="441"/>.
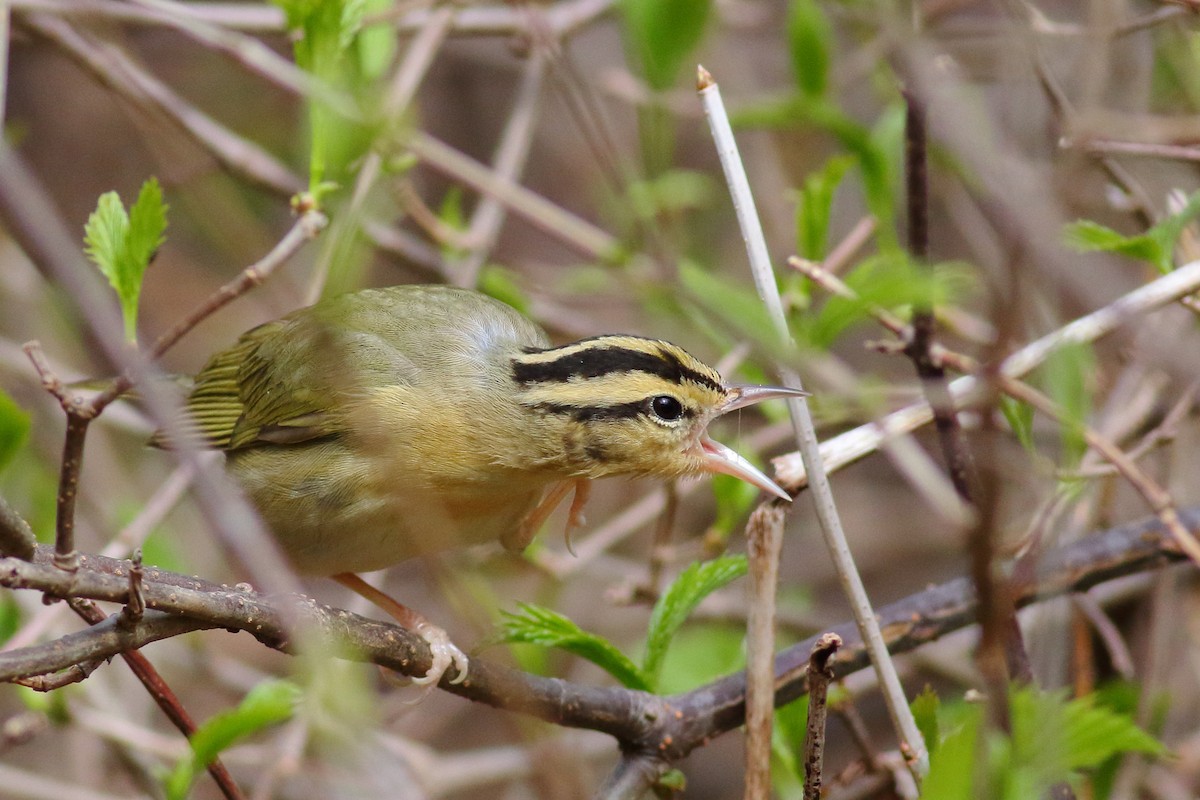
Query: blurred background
<point x="556" y="155"/>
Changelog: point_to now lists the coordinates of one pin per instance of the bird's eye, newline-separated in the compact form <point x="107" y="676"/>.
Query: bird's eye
<point x="666" y="407"/>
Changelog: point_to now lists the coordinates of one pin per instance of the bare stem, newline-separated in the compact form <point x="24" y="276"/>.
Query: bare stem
<point x="819" y="676"/>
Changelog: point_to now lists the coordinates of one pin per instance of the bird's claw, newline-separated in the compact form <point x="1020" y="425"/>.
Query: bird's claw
<point x="445" y="653"/>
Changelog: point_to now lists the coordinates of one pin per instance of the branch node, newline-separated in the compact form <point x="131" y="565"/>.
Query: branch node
<point x="135" y="606"/>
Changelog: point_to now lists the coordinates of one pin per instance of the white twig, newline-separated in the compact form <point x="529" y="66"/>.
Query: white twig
<point x="863" y="440"/>
<point x="806" y="435"/>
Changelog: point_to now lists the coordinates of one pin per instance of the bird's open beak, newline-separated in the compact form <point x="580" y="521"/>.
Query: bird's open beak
<point x="742" y="396"/>
<point x="719" y="458"/>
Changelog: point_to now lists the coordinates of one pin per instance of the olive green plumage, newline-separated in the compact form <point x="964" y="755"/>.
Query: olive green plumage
<point x="386" y="423"/>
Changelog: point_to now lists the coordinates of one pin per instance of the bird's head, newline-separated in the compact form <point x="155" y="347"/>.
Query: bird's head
<point x="624" y="405"/>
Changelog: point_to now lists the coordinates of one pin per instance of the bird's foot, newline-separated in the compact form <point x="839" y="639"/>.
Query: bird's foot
<point x="445" y="653"/>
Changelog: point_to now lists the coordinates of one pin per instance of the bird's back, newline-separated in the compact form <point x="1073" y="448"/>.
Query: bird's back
<point x="371" y="427"/>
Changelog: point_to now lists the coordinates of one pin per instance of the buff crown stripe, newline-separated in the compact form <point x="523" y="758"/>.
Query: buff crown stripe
<point x="604" y="359"/>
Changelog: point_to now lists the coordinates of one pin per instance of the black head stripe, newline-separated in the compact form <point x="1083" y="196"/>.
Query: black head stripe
<point x="601" y="359"/>
<point x="589" y="413"/>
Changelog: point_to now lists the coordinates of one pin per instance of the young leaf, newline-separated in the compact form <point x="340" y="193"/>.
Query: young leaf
<point x="147" y="224"/>
<point x="538" y="625"/>
<point x="14" y="427"/>
<point x="815" y="206"/>
<point x="1156" y="245"/>
<point x="1067" y="376"/>
<point x="662" y="34"/>
<point x="269" y="703"/>
<point x="925" y="711"/>
<point x="1087" y="236"/>
<point x="694" y="584"/>
<point x="122" y="244"/>
<point x="1020" y="418"/>
<point x="810" y="39"/>
<point x="952" y="765"/>
<point x="104" y="236"/>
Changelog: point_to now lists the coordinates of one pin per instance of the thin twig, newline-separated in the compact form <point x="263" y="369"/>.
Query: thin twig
<point x="1158" y="498"/>
<point x="853" y="445"/>
<point x="819" y="676"/>
<point x="764" y="540"/>
<point x="1172" y="152"/>
<point x="116" y="70"/>
<point x="512" y="153"/>
<point x="831" y="527"/>
<point x="162" y="694"/>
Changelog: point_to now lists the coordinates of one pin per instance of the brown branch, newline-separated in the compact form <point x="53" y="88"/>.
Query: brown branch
<point x="764" y="541"/>
<point x="662" y="728"/>
<point x="819" y="676"/>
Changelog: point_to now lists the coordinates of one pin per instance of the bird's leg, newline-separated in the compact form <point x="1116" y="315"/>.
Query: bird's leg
<point x="444" y="651"/>
<point x="519" y="539"/>
<point x="583" y="490"/>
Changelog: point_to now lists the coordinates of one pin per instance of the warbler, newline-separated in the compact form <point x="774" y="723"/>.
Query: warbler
<point x="389" y="423"/>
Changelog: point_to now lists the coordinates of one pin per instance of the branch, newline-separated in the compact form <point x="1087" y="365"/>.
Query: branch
<point x="665" y="728"/>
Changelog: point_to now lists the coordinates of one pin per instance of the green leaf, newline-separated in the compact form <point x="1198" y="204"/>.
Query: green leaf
<point x="734" y="498"/>
<point x="14" y="428"/>
<point x="815" y="206"/>
<point x="674" y="606"/>
<point x="538" y="625"/>
<point x="952" y="765"/>
<point x="787" y="743"/>
<point x="147" y="225"/>
<point x="735" y="304"/>
<point x="500" y="283"/>
<point x="1095" y="733"/>
<point x="104" y="237"/>
<point x="1020" y="419"/>
<point x="267" y="704"/>
<point x="810" y="39"/>
<point x="675" y="191"/>
<point x="701" y="653"/>
<point x="925" y="708"/>
<point x="663" y="34"/>
<point x="1156" y="245"/>
<point x="890" y="281"/>
<point x="122" y="244"/>
<point x="1087" y="236"/>
<point x="1067" y="376"/>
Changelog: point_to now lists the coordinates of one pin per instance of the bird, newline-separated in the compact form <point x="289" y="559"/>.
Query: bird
<point x="388" y="423"/>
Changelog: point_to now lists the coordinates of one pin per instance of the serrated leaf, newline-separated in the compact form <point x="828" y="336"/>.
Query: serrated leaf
<point x="925" y="707"/>
<point x="122" y="243"/>
<point x="537" y="625"/>
<point x="104" y="237"/>
<point x="269" y="703"/>
<point x="674" y="606"/>
<point x="147" y="226"/>
<point x="663" y="34"/>
<point x="810" y="39"/>
<point x="952" y="767"/>
<point x="14" y="428"/>
<point x="1095" y="733"/>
